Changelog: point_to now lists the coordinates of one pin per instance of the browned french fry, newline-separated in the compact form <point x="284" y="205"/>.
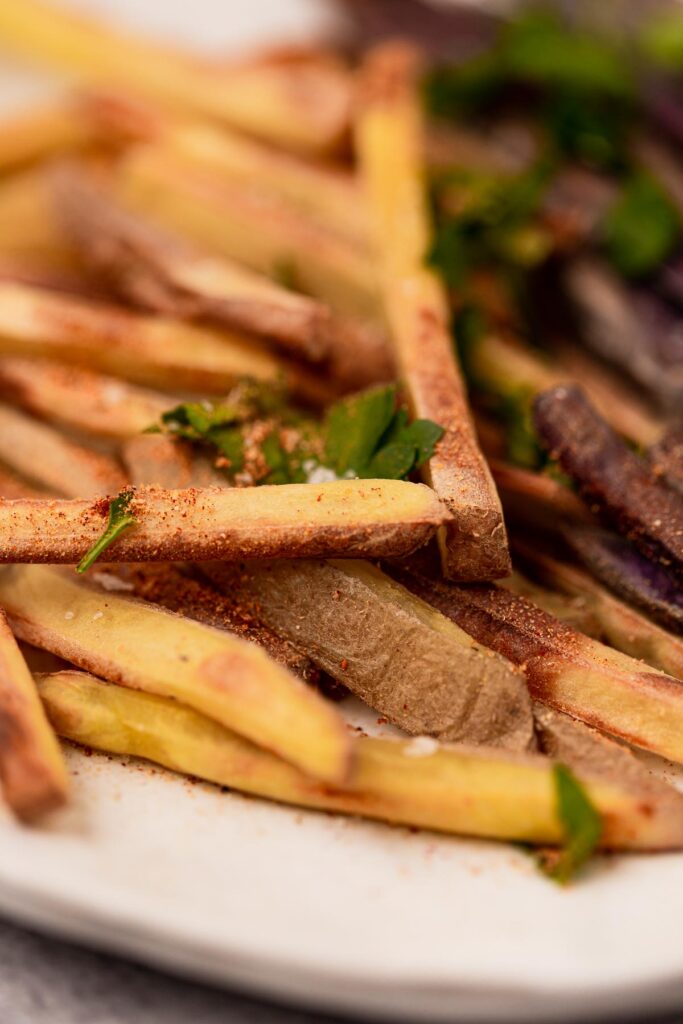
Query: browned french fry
<point x="151" y="350"/>
<point x="535" y="498"/>
<point x="615" y="621"/>
<point x="31" y="235"/>
<point x="166" y="586"/>
<point x="302" y="106"/>
<point x="41" y="453"/>
<point x="458" y="790"/>
<point x="148" y="648"/>
<point x="388" y="138"/>
<point x="32" y="772"/>
<point x="345" y="518"/>
<point x="390" y="649"/>
<point x="41" y="133"/>
<point x="79" y="398"/>
<point x="564" y="669"/>
<point x="162" y="273"/>
<point x="253" y="228"/>
<point x="160" y="461"/>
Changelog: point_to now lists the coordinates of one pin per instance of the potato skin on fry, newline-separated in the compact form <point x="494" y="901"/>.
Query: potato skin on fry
<point x="458" y="790"/>
<point x="346" y="518"/>
<point x="32" y="772"/>
<point x="148" y="648"/>
<point x="393" y="651"/>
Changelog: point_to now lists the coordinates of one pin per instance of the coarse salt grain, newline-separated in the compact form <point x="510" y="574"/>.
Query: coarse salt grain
<point x="421" y="746"/>
<point x="97" y="615"/>
<point x="69" y="615"/>
<point x="109" y="582"/>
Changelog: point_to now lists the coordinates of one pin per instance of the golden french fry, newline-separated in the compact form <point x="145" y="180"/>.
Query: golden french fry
<point x="253" y="228"/>
<point x="158" y="351"/>
<point x="394" y="652"/>
<point x="148" y="648"/>
<point x="41" y="133"/>
<point x="80" y="398"/>
<point x="14" y="486"/>
<point x="41" y="453"/>
<point x="32" y="771"/>
<point x="458" y="790"/>
<point x="31" y="234"/>
<point x="302" y="106"/>
<point x="158" y="460"/>
<point x="389" y="141"/>
<point x="346" y="518"/>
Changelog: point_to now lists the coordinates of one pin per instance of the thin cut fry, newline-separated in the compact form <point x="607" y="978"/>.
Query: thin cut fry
<point x="458" y="790"/>
<point x="157" y="351"/>
<point x="160" y="272"/>
<point x="12" y="485"/>
<point x="161" y="461"/>
<point x="302" y="106"/>
<point x="41" y="133"/>
<point x="394" y="652"/>
<point x="41" y="453"/>
<point x="32" y="772"/>
<point x="79" y="398"/>
<point x="148" y="648"/>
<point x="346" y="518"/>
<point x="31" y="234"/>
<point x="388" y="137"/>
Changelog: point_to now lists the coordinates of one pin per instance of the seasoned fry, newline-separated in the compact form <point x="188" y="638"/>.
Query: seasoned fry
<point x="164" y="585"/>
<point x="564" y="669"/>
<point x="41" y="453"/>
<point x="345" y="518"/>
<point x="609" y="475"/>
<point x="160" y="272"/>
<point x="157" y="351"/>
<point x="147" y="648"/>
<point x="31" y="234"/>
<point x="458" y="790"/>
<point x="32" y="771"/>
<point x="160" y="461"/>
<point x="253" y="228"/>
<point x="395" y="652"/>
<point x="388" y="137"/>
<point x="14" y="486"/>
<point x="304" y="107"/>
<point x="41" y="133"/>
<point x="617" y="624"/>
<point x="79" y="398"/>
<point x="529" y="496"/>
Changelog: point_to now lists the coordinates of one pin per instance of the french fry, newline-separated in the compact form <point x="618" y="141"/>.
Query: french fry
<point x="39" y="452"/>
<point x="456" y="790"/>
<point x="162" y="273"/>
<point x="255" y="229"/>
<point x="345" y="518"/>
<point x="160" y="461"/>
<point x="616" y="622"/>
<point x="40" y="134"/>
<point x="564" y="669"/>
<point x="388" y="139"/>
<point x="31" y="234"/>
<point x="529" y="496"/>
<point x="301" y="106"/>
<point x="391" y="650"/>
<point x="14" y="486"/>
<point x="79" y="398"/>
<point x="32" y="771"/>
<point x="166" y="586"/>
<point x="148" y="648"/>
<point x="156" y="351"/>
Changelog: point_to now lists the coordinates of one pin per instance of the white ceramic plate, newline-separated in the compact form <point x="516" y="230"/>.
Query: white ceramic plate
<point x="334" y="913"/>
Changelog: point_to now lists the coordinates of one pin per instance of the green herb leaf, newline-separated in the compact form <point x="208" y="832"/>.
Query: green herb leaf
<point x="120" y="518"/>
<point x="642" y="228"/>
<point x="662" y="39"/>
<point x="581" y="823"/>
<point x="354" y="427"/>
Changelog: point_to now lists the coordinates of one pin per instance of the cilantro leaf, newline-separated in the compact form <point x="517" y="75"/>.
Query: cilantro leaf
<point x="581" y="823"/>
<point x="120" y="519"/>
<point x="642" y="228"/>
<point x="354" y="426"/>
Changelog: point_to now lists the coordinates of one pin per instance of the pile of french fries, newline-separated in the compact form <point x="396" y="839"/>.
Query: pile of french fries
<point x="149" y="221"/>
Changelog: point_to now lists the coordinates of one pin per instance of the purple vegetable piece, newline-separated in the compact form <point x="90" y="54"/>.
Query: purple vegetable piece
<point x="613" y="479"/>
<point x="618" y="565"/>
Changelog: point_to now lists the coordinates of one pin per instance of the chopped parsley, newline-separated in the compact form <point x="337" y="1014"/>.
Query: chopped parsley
<point x="258" y="441"/>
<point x="642" y="228"/>
<point x="120" y="519"/>
<point x="581" y="823"/>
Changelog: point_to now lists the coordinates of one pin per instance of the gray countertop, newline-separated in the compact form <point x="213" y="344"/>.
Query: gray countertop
<point x="44" y="981"/>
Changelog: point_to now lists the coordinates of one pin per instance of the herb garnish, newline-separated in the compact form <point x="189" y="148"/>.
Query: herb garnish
<point x="364" y="435"/>
<point x="581" y="823"/>
<point x="642" y="228"/>
<point x="120" y="518"/>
